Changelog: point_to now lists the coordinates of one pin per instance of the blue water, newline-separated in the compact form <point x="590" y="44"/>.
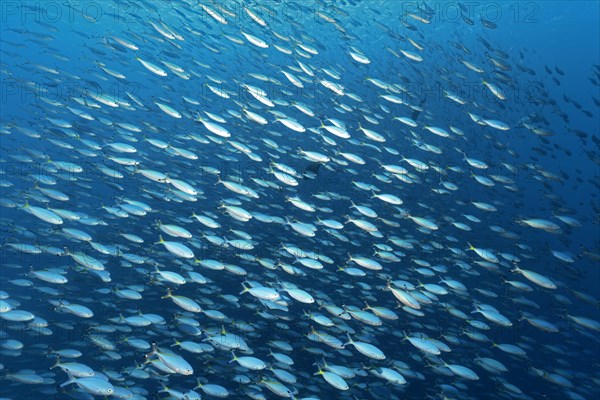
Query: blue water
<point x="72" y="92"/>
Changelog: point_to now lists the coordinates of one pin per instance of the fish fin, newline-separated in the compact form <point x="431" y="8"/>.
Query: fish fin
<point x="68" y="381"/>
<point x="56" y="363"/>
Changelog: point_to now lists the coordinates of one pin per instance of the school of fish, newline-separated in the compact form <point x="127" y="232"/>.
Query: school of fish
<point x="320" y="200"/>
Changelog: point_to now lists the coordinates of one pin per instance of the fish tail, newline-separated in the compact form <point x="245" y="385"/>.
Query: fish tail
<point x="56" y="362"/>
<point x="350" y="341"/>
